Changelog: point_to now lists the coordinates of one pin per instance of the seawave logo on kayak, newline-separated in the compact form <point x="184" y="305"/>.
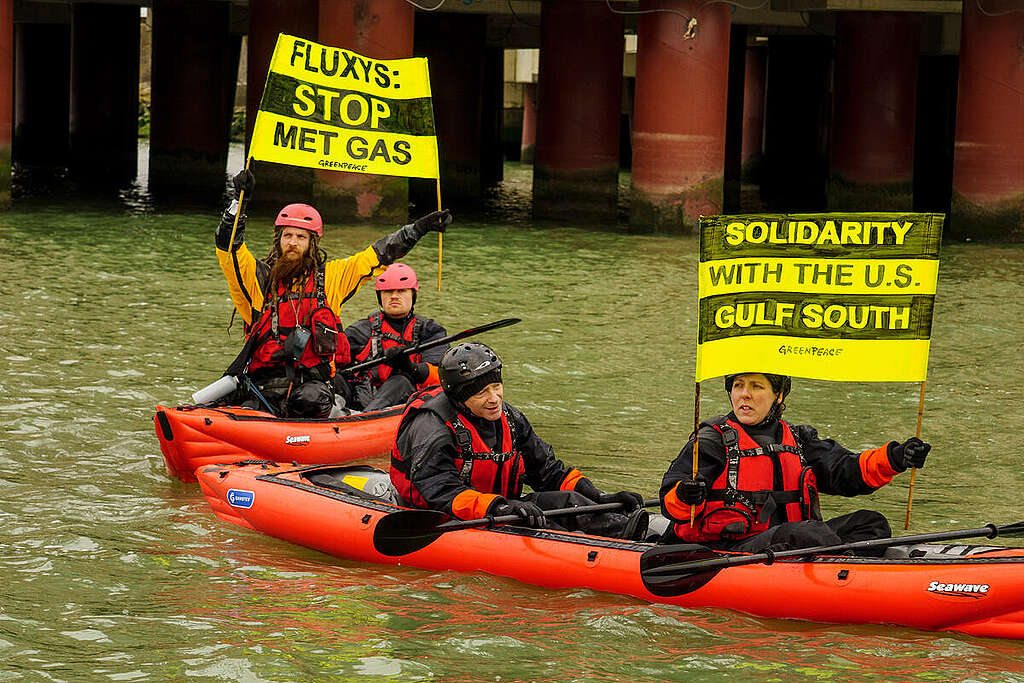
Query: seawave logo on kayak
<point x="240" y="499"/>
<point x="959" y="590"/>
<point x="297" y="440"/>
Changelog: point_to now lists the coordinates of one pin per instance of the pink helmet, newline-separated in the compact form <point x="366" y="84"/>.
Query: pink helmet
<point x="397" y="276"/>
<point x="300" y="216"/>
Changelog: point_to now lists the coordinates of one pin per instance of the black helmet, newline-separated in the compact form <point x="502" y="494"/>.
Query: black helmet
<point x="781" y="384"/>
<point x="467" y="368"/>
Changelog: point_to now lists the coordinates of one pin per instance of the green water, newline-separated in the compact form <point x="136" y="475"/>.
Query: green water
<point x="113" y="571"/>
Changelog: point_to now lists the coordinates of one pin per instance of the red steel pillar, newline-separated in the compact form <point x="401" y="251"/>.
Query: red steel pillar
<point x="988" y="165"/>
<point x="276" y="184"/>
<point x="679" y="119"/>
<point x="576" y="161"/>
<point x="193" y="90"/>
<point x="753" y="113"/>
<point x="529" y="139"/>
<point x="380" y="29"/>
<point x="6" y="97"/>
<point x="874" y="112"/>
<point x="104" y="119"/>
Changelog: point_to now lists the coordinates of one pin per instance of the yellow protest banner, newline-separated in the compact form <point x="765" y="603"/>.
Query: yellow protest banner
<point x="824" y="296"/>
<point x="330" y="108"/>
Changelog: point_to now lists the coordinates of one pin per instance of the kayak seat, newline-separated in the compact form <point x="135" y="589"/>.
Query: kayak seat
<point x="925" y="551"/>
<point x="361" y="481"/>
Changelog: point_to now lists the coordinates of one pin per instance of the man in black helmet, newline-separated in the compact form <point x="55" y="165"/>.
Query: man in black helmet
<point x="462" y="450"/>
<point x="758" y="478"/>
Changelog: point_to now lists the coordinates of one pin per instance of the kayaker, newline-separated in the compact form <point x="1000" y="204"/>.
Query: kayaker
<point x="395" y="326"/>
<point x="290" y="301"/>
<point x="462" y="450"/>
<point x="758" y="477"/>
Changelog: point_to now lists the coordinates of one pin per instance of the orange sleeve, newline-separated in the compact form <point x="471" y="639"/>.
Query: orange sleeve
<point x="432" y="380"/>
<point x="471" y="504"/>
<point x="875" y="468"/>
<point x="677" y="509"/>
<point x="569" y="483"/>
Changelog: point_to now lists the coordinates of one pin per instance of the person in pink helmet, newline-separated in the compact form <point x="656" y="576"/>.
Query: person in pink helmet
<point x="392" y="328"/>
<point x="291" y="301"/>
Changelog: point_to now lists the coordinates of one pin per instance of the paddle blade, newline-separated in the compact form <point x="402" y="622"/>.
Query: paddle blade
<point x="407" y="531"/>
<point x="677" y="582"/>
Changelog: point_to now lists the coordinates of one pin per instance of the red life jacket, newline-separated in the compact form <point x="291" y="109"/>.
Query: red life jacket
<point x="741" y="500"/>
<point x="327" y="347"/>
<point x="488" y="471"/>
<point x="382" y="337"/>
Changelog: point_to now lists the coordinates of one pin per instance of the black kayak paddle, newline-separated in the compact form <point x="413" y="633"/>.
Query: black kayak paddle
<point x="408" y="351"/>
<point x="678" y="569"/>
<point x="407" y="531"/>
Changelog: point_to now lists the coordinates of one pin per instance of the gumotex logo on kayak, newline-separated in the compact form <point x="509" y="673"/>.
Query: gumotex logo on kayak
<point x="960" y="590"/>
<point x="240" y="499"/>
<point x="297" y="440"/>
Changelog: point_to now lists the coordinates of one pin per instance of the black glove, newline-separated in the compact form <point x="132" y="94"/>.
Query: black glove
<point x="692" y="491"/>
<point x="630" y="500"/>
<point x="910" y="453"/>
<point x="437" y="221"/>
<point x="223" y="234"/>
<point x="527" y="511"/>
<point x="244" y="180"/>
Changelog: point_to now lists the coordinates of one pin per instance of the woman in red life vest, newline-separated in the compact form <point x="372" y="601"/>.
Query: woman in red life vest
<point x="291" y="302"/>
<point x="759" y="477"/>
<point x="462" y="450"/>
<point x="395" y="326"/>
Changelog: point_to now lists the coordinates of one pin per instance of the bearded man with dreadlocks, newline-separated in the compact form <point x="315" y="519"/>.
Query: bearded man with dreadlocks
<point x="290" y="302"/>
<point x="758" y="478"/>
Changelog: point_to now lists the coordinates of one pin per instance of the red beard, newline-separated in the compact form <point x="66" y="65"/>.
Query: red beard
<point x="287" y="269"/>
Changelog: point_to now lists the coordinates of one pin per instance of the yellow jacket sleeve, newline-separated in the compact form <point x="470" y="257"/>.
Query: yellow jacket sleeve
<point x="344" y="276"/>
<point x="239" y="270"/>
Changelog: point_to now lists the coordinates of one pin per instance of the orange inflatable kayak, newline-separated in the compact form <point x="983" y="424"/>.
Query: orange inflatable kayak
<point x="342" y="510"/>
<point x="193" y="436"/>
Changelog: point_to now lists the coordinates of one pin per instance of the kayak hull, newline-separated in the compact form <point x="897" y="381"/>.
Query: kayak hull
<point x="192" y="437"/>
<point x="969" y="589"/>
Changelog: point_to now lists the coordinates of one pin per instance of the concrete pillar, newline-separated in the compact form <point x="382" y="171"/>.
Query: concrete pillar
<point x="6" y="97"/>
<point x="104" y="134"/>
<point x="576" y="163"/>
<point x="988" y="168"/>
<point x="381" y="29"/>
<point x="874" y="110"/>
<point x="43" y="58"/>
<point x="679" y="117"/>
<point x="276" y="184"/>
<point x="935" y="133"/>
<point x="455" y="46"/>
<point x="796" y="124"/>
<point x="193" y="83"/>
<point x="529" y="139"/>
<point x="753" y="114"/>
<point x="492" y="153"/>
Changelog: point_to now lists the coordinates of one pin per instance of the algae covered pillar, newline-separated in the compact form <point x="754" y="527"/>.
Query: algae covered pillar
<point x="193" y="91"/>
<point x="682" y="69"/>
<point x="576" y="158"/>
<point x="874" y="110"/>
<point x="377" y="29"/>
<point x="988" y="165"/>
